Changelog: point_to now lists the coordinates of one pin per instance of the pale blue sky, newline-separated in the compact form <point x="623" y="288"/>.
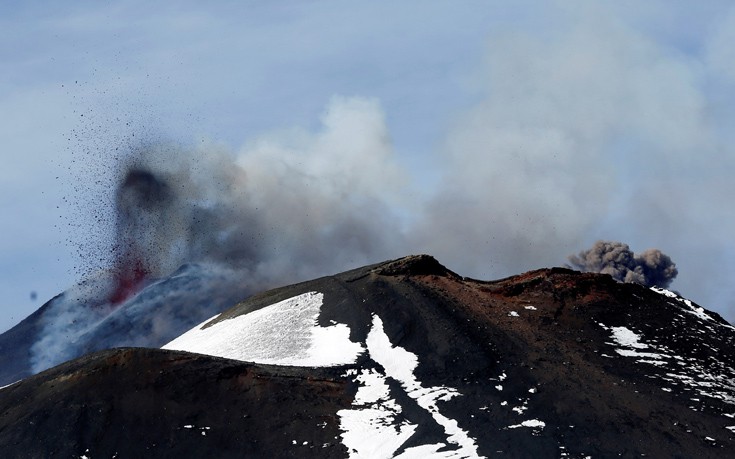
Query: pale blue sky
<point x="558" y="122"/>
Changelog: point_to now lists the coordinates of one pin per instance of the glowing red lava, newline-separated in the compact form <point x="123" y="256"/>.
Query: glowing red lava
<point x="129" y="280"/>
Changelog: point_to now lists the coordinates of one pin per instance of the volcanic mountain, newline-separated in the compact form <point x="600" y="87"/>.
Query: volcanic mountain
<point x="403" y="359"/>
<point x="83" y="319"/>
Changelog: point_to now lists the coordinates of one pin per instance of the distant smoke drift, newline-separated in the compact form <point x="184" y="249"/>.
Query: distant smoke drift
<point x="651" y="268"/>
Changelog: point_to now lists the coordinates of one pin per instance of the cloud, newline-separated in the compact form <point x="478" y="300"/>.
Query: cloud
<point x="719" y="54"/>
<point x="586" y="129"/>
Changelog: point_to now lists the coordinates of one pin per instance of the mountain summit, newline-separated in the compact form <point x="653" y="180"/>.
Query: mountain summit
<point x="403" y="359"/>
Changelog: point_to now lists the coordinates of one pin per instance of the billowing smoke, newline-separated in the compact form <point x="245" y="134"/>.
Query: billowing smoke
<point x="651" y="268"/>
<point x="278" y="211"/>
<point x="193" y="230"/>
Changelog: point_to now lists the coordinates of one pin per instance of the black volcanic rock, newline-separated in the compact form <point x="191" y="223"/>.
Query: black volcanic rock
<point x="550" y="363"/>
<point x="134" y="402"/>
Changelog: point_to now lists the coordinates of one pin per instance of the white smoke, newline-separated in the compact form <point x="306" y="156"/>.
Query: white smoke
<point x="286" y="206"/>
<point x="570" y="126"/>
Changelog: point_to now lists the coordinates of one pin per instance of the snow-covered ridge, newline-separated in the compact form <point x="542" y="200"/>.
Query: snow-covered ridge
<point x="285" y="333"/>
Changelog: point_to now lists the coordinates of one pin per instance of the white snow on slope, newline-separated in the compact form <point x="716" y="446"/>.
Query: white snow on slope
<point x="534" y="423"/>
<point x="399" y="364"/>
<point x="708" y="378"/>
<point x="629" y="339"/>
<point x="688" y="306"/>
<point x="428" y="451"/>
<point x="626" y="337"/>
<point x="285" y="333"/>
<point x="371" y="430"/>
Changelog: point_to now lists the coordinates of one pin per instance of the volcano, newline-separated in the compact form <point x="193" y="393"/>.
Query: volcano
<point x="90" y="317"/>
<point x="403" y="359"/>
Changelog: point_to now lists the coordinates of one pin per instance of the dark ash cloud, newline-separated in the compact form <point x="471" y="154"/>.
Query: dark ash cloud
<point x="651" y="268"/>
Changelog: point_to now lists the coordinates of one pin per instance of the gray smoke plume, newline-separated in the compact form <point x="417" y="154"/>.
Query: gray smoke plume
<point x="194" y="230"/>
<point x="651" y="268"/>
<point x="273" y="221"/>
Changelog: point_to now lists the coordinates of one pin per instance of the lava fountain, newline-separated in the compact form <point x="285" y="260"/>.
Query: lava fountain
<point x="141" y="202"/>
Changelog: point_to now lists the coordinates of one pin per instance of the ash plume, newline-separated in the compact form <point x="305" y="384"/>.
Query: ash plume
<point x="276" y="211"/>
<point x="651" y="268"/>
<point x="142" y="202"/>
<point x="194" y="230"/>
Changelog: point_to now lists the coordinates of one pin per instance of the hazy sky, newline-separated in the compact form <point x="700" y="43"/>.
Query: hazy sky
<point x="508" y="134"/>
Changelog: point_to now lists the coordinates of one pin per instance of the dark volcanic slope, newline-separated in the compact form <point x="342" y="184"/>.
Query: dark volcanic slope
<point x="132" y="403"/>
<point x="15" y="347"/>
<point x="82" y="319"/>
<point x="551" y="363"/>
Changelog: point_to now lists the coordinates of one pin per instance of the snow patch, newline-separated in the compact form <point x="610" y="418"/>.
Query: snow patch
<point x="427" y="451"/>
<point x="710" y="378"/>
<point x="285" y="333"/>
<point x="626" y="337"/>
<point x="629" y="353"/>
<point x="371" y="429"/>
<point x="534" y="423"/>
<point x="399" y="364"/>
